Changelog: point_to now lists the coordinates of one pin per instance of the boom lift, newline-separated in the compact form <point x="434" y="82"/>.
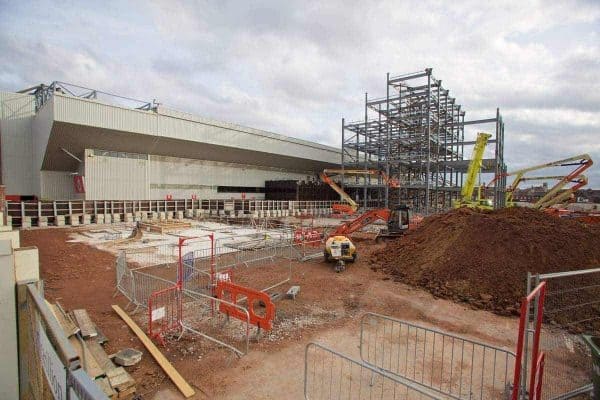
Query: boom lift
<point x="340" y="248"/>
<point x="466" y="193"/>
<point x="352" y="206"/>
<point x="557" y="194"/>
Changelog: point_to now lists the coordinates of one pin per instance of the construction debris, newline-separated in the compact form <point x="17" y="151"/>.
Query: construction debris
<point x="83" y="335"/>
<point x="293" y="292"/>
<point x="128" y="357"/>
<point x="482" y="258"/>
<point x="177" y="379"/>
<point x="164" y="226"/>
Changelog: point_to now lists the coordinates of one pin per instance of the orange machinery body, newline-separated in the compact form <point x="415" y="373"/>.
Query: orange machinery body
<point x="363" y="220"/>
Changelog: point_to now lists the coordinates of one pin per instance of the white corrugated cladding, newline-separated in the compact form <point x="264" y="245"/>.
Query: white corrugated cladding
<point x="58" y="185"/>
<point x="182" y="126"/>
<point x="40" y="131"/>
<point x="16" y="117"/>
<point x="122" y="176"/>
<point x="115" y="177"/>
<point x="183" y="178"/>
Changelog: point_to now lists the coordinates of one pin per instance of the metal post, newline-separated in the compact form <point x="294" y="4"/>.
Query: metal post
<point x="428" y="169"/>
<point x="387" y="150"/>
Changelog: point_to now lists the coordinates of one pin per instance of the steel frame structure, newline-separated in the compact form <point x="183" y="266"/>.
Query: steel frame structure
<point x="416" y="134"/>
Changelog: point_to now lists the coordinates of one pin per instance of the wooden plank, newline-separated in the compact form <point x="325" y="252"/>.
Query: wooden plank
<point x="100" y="338"/>
<point x="89" y="363"/>
<point x="85" y="323"/>
<point x="63" y="319"/>
<point x="127" y="393"/>
<point x="119" y="379"/>
<point x="106" y="388"/>
<point x="177" y="379"/>
<point x="100" y="355"/>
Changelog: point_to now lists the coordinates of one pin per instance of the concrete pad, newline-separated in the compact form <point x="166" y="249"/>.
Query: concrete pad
<point x="116" y="218"/>
<point x="13" y="236"/>
<point x="43" y="222"/>
<point x="59" y="220"/>
<point x="27" y="264"/>
<point x="99" y="218"/>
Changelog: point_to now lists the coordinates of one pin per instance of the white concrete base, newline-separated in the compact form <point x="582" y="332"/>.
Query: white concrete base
<point x="116" y="218"/>
<point x="13" y="236"/>
<point x="26" y="222"/>
<point x="43" y="222"/>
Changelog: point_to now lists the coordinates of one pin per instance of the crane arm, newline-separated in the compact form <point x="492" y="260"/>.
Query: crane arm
<point x="391" y="182"/>
<point x="365" y="219"/>
<point x="561" y="197"/>
<point x="474" y="166"/>
<point x="338" y="190"/>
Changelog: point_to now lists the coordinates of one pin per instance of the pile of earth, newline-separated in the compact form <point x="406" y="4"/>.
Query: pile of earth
<point x="483" y="257"/>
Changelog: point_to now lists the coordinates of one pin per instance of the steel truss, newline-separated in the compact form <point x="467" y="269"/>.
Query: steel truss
<point x="416" y="134"/>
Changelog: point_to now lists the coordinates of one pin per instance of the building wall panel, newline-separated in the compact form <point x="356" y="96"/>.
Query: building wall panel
<point x="16" y="117"/>
<point x="41" y="129"/>
<point x="58" y="185"/>
<point x="76" y="110"/>
<point x="183" y="178"/>
<point x="115" y="178"/>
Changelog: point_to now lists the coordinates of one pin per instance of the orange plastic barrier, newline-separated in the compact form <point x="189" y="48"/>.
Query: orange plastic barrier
<point x="254" y="297"/>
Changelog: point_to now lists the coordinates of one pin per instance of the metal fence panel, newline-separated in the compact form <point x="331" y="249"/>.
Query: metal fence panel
<point x="332" y="375"/>
<point x="449" y="364"/>
<point x="571" y="308"/>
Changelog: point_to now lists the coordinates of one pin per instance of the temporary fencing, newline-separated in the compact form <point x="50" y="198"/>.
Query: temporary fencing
<point x="329" y="374"/>
<point x="164" y="312"/>
<point x="531" y="315"/>
<point x="571" y="308"/>
<point x="451" y="365"/>
<point x="253" y="298"/>
<point x="199" y="318"/>
<point x="136" y="284"/>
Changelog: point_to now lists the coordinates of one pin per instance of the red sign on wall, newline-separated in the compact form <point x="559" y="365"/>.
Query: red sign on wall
<point x="193" y="197"/>
<point x="169" y="197"/>
<point x="78" y="184"/>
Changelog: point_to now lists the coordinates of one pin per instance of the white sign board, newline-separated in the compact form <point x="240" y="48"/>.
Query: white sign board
<point x="53" y="368"/>
<point x="336" y="252"/>
<point x="158" y="313"/>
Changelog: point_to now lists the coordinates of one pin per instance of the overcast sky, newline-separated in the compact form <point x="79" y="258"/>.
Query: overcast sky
<point x="297" y="68"/>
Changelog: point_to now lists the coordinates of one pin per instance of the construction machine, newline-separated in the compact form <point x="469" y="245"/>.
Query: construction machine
<point x="558" y="193"/>
<point x="468" y="189"/>
<point x="338" y="247"/>
<point x="351" y="207"/>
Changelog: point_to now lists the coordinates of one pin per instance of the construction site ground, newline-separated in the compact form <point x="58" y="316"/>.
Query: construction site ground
<point x="327" y="310"/>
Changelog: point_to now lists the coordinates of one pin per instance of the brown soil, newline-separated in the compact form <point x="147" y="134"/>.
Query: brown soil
<point x="483" y="257"/>
<point x="328" y="310"/>
<point x="80" y="276"/>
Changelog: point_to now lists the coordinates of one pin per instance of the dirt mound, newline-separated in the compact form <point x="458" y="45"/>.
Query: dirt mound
<point x="483" y="257"/>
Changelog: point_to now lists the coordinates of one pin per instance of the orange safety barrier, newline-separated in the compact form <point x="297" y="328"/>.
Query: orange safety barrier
<point x="230" y="292"/>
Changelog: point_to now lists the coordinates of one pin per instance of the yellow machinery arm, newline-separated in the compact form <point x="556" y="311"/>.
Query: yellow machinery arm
<point x="557" y="194"/>
<point x="475" y="165"/>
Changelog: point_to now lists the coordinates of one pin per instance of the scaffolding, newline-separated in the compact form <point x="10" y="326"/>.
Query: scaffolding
<point x="416" y="135"/>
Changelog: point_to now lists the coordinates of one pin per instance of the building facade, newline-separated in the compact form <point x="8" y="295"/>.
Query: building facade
<point x="59" y="143"/>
